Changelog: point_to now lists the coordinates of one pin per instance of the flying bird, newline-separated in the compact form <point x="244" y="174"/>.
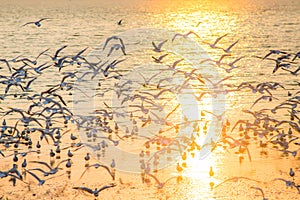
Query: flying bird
<point x="159" y="59"/>
<point x="96" y="191"/>
<point x="37" y="23"/>
<point x="114" y="37"/>
<point x="157" y="48"/>
<point x="185" y="35"/>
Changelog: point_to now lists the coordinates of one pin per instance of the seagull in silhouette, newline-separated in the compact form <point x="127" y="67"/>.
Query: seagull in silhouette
<point x="157" y="48"/>
<point x="264" y="97"/>
<point x="288" y="183"/>
<point x="274" y="52"/>
<point x="159" y="59"/>
<point x="96" y="191"/>
<point x="51" y="170"/>
<point x="114" y="37"/>
<point x="37" y="23"/>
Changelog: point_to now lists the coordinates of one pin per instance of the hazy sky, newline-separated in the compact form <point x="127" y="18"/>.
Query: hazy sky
<point x="224" y="5"/>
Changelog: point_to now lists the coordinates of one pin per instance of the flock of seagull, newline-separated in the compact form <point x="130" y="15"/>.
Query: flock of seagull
<point x="46" y="118"/>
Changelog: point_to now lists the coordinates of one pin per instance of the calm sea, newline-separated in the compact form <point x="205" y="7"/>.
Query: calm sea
<point x="258" y="25"/>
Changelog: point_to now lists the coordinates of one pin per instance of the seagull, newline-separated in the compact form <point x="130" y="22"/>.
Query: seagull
<point x="274" y="52"/>
<point x="147" y="81"/>
<point x="216" y="41"/>
<point x="41" y="181"/>
<point x="155" y="96"/>
<point x="288" y="183"/>
<point x="235" y="179"/>
<point x="217" y="62"/>
<point x="264" y="97"/>
<point x="96" y="191"/>
<point x="37" y="23"/>
<point x="160" y="185"/>
<point x="51" y="170"/>
<point x="96" y="166"/>
<point x="217" y="83"/>
<point x="159" y="59"/>
<point x="157" y="48"/>
<point x="185" y="35"/>
<point x="54" y="58"/>
<point x="231" y="64"/>
<point x="40" y="68"/>
<point x="114" y="37"/>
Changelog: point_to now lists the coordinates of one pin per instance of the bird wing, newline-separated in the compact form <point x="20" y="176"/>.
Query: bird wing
<point x="267" y="55"/>
<point x="218" y="39"/>
<point x="192" y="32"/>
<point x="84" y="189"/>
<point x="161" y="57"/>
<point x="154" y="45"/>
<point x="122" y="43"/>
<point x="177" y="34"/>
<point x="60" y="49"/>
<point x="260" y="98"/>
<point x="142" y="76"/>
<point x="81" y="52"/>
<point x="42" y="163"/>
<point x="110" y="51"/>
<point x="161" y="44"/>
<point x="27" y="23"/>
<point x="42" y="53"/>
<point x="228" y="49"/>
<point x="228" y="77"/>
<point x="6" y="62"/>
<point x="106" y="187"/>
<point x="176" y="62"/>
<point x="236" y="60"/>
<point x="29" y="83"/>
<point x="170" y="113"/>
<point x="43" y="19"/>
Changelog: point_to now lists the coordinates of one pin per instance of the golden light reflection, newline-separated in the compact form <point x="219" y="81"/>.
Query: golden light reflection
<point x="155" y="125"/>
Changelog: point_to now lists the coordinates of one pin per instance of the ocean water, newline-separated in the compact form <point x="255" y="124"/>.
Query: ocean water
<point x="259" y="26"/>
